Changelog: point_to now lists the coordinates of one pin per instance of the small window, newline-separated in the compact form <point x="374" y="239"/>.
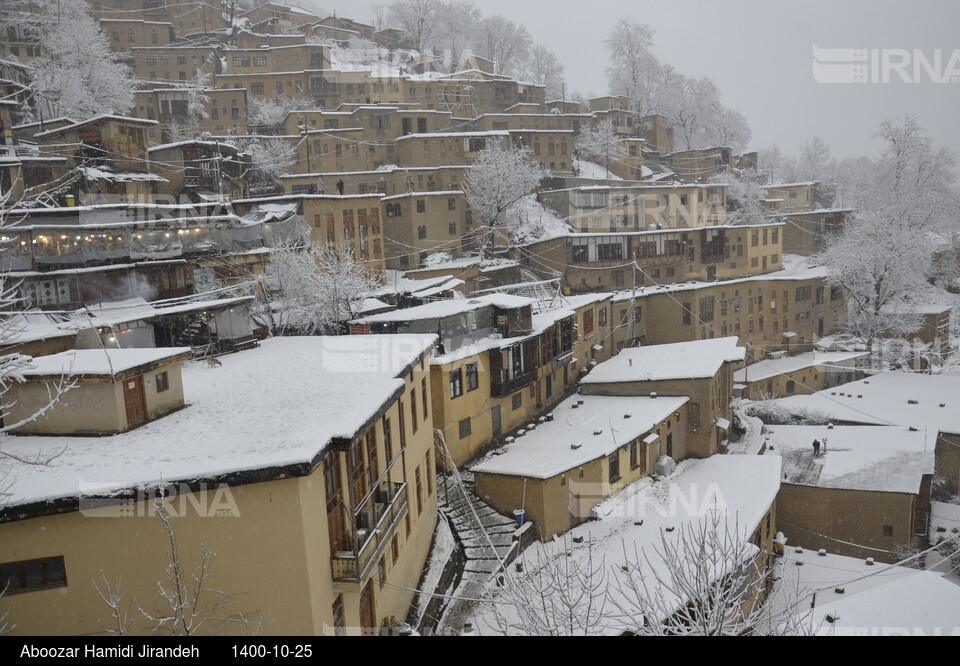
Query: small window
<point x="613" y="460"/>
<point x="888" y="531"/>
<point x="421" y="206"/>
<point x="163" y="382"/>
<point x="517" y="400"/>
<point x="456" y="383"/>
<point x="451" y="204"/>
<point x="452" y="228"/>
<point x="465" y="430"/>
<point x="30" y="575"/>
<point x="473" y="377"/>
<point x="791" y="387"/>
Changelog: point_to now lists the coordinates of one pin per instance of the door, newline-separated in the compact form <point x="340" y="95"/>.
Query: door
<point x="134" y="402"/>
<point x="497" y="426"/>
<point x="368" y="615"/>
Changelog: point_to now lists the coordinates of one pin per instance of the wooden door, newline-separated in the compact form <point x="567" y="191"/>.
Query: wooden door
<point x="134" y="402"/>
<point x="368" y="614"/>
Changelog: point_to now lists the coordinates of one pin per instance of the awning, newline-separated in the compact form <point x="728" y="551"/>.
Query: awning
<point x="651" y="438"/>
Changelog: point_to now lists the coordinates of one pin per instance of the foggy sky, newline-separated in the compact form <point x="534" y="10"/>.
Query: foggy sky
<point x="759" y="52"/>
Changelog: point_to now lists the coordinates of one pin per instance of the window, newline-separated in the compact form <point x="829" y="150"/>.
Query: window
<point x="706" y="308"/>
<point x="240" y="62"/>
<point x="755" y="238"/>
<point x="588" y="322"/>
<point x="452" y="228"/>
<point x="423" y="396"/>
<point x="517" y="400"/>
<point x="260" y="61"/>
<point x="456" y="383"/>
<point x="413" y="409"/>
<point x="419" y="488"/>
<point x="888" y="531"/>
<point x="451" y="204"/>
<point x="29" y="575"/>
<point x="428" y="468"/>
<point x="256" y="89"/>
<point x="473" y="377"/>
<point x="804" y="293"/>
<point x="421" y="206"/>
<point x="613" y="462"/>
<point x="791" y="387"/>
<point x="686" y="314"/>
<point x="382" y="571"/>
<point x="774" y="236"/>
<point x="465" y="428"/>
<point x="395" y="548"/>
<point x="387" y="441"/>
<point x="421" y="232"/>
<point x="638" y="456"/>
<point x="163" y="382"/>
<point x="602" y="318"/>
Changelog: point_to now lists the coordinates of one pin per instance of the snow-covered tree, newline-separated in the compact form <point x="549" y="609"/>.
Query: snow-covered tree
<point x="416" y="19"/>
<point x="744" y="197"/>
<point x="498" y="179"/>
<point x="634" y="71"/>
<point x="272" y="157"/>
<point x="77" y="74"/>
<point x="552" y="595"/>
<point x="601" y="144"/>
<point x="457" y="23"/>
<point x="13" y="364"/>
<point x="315" y="289"/>
<point x="543" y="67"/>
<point x="883" y="258"/>
<point x="709" y="580"/>
<point x="505" y="43"/>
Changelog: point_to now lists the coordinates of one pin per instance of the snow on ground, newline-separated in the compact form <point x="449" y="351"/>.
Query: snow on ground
<point x="768" y="368"/>
<point x="274" y="406"/>
<point x="593" y="171"/>
<point x="945" y="526"/>
<point x="528" y="221"/>
<point x="876" y="600"/>
<point x="735" y="491"/>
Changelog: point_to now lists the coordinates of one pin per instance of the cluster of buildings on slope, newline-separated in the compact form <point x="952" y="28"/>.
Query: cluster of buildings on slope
<point x="141" y="251"/>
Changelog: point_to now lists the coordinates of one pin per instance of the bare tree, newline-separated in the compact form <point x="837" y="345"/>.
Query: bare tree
<point x="706" y="580"/>
<point x="498" y="179"/>
<point x="634" y="71"/>
<point x="504" y="42"/>
<point x="745" y="196"/>
<point x="545" y="69"/>
<point x="601" y="143"/>
<point x="189" y="604"/>
<point x="553" y="595"/>
<point x="417" y="19"/>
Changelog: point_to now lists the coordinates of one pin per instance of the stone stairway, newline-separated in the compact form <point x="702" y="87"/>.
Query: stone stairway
<point x="498" y="541"/>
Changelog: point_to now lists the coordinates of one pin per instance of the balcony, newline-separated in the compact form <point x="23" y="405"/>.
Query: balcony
<point x="378" y="517"/>
<point x="508" y="386"/>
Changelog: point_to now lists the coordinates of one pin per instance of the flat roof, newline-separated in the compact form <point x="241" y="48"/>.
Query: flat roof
<point x="101" y="362"/>
<point x="266" y="413"/>
<point x="890" y="459"/>
<point x="448" y="308"/>
<point x="768" y="368"/>
<point x="888" y="398"/>
<point x="682" y="360"/>
<point x="597" y="428"/>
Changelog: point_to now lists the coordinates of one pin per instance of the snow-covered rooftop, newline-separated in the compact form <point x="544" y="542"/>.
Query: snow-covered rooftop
<point x="881" y="459"/>
<point x="734" y="491"/>
<point x="97" y="119"/>
<point x="795" y="267"/>
<point x="876" y="600"/>
<point x="448" y="308"/>
<point x="682" y="360"/>
<point x="272" y="407"/>
<point x="579" y="434"/>
<point x="774" y="367"/>
<point x="101" y="362"/>
<point x="887" y="399"/>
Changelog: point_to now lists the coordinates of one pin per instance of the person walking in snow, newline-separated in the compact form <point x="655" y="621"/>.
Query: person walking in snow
<point x="816" y="448"/>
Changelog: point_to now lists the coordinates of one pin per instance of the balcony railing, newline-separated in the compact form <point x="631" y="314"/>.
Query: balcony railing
<point x="506" y="387"/>
<point x="370" y="540"/>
